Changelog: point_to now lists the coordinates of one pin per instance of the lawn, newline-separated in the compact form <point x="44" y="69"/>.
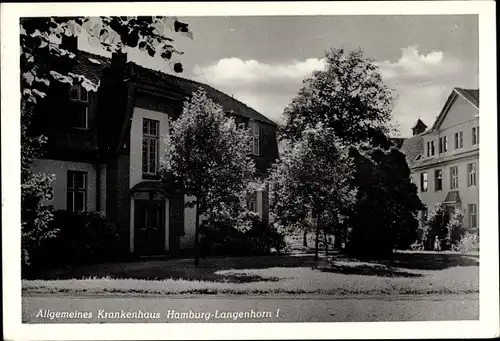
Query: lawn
<point x="410" y="273"/>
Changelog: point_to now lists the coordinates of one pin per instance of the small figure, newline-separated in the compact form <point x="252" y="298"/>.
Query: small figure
<point x="437" y="244"/>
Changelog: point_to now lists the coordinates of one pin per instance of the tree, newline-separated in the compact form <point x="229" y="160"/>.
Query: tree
<point x="437" y="224"/>
<point x="348" y="96"/>
<point x="455" y="229"/>
<point x="313" y="178"/>
<point x="207" y="159"/>
<point x="43" y="60"/>
<point x="384" y="216"/>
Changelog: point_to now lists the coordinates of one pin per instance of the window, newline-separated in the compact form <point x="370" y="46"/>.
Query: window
<point x="471" y="172"/>
<point x="76" y="199"/>
<point x="423" y="216"/>
<point x="423" y="182"/>
<point x="472" y="215"/>
<point x="459" y="140"/>
<point x="454" y="177"/>
<point x="475" y="135"/>
<point x="438" y="180"/>
<point x="430" y="148"/>
<point x="150" y="142"/>
<point x="255" y="131"/>
<point x="79" y="106"/>
<point x="443" y="144"/>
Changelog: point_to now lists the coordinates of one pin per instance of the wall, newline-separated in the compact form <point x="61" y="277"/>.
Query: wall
<point x="461" y="116"/>
<point x="60" y="169"/>
<point x="136" y="140"/>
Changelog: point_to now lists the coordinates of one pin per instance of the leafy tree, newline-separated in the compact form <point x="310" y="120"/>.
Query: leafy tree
<point x="437" y="223"/>
<point x="455" y="229"/>
<point x="312" y="178"/>
<point x="207" y="158"/>
<point x="43" y="60"/>
<point x="348" y="96"/>
<point x="384" y="216"/>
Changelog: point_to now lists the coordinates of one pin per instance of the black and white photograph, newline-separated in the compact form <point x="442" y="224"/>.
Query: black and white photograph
<point x="267" y="171"/>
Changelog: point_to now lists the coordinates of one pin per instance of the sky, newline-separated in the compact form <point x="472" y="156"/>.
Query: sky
<point x="263" y="60"/>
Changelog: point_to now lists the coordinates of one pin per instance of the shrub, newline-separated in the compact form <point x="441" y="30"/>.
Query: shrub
<point x="222" y="238"/>
<point x="468" y="243"/>
<point x="84" y="237"/>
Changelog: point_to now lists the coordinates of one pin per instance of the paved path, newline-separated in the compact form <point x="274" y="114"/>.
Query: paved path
<point x="103" y="309"/>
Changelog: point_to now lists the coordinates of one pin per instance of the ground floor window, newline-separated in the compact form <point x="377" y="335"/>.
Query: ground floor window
<point x="76" y="199"/>
<point x="472" y="209"/>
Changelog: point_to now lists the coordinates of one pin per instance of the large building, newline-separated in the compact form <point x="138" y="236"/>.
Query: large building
<point x="104" y="148"/>
<point x="444" y="160"/>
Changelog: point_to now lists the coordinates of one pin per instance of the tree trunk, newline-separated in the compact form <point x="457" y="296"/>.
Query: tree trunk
<point x="304" y="242"/>
<point x="196" y="252"/>
<point x="338" y="238"/>
<point x="316" y="256"/>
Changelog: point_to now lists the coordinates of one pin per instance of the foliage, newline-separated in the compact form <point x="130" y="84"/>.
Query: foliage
<point x="222" y="238"/>
<point x="42" y="60"/>
<point x="455" y="229"/>
<point x="348" y="96"/>
<point x="34" y="215"/>
<point x="437" y="223"/>
<point x="313" y="178"/>
<point x="384" y="216"/>
<point x="207" y="158"/>
<point x="83" y="237"/>
<point x="468" y="243"/>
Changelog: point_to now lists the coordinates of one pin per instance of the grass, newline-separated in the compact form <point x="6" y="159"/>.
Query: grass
<point x="411" y="273"/>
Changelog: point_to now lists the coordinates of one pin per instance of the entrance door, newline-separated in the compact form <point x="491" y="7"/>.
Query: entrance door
<point x="149" y="227"/>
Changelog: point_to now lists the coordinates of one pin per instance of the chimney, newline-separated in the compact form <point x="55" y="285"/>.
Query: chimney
<point x="419" y="127"/>
<point x="70" y="43"/>
<point x="119" y="63"/>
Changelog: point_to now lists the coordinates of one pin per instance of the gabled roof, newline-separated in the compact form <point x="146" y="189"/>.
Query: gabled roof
<point x="187" y="87"/>
<point x="419" y="123"/>
<point x="90" y="65"/>
<point x="472" y="96"/>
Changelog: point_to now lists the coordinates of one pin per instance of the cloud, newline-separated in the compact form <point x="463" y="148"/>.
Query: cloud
<point x="421" y="81"/>
<point x="267" y="88"/>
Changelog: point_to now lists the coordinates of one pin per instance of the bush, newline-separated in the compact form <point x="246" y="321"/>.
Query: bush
<point x="468" y="243"/>
<point x="83" y="237"/>
<point x="223" y="239"/>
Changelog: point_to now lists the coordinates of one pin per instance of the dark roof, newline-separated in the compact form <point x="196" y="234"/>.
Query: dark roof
<point x="90" y="65"/>
<point x="397" y="141"/>
<point x="187" y="87"/>
<point x="453" y="197"/>
<point x="419" y="123"/>
<point x="470" y="94"/>
<point x="412" y="147"/>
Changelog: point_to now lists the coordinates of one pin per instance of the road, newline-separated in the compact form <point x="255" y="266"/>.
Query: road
<point x="102" y="309"/>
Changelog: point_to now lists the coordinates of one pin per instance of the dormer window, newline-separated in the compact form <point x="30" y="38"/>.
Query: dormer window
<point x="79" y="98"/>
<point x="255" y="144"/>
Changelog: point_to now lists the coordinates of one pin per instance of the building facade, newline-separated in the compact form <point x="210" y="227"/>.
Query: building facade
<point x="444" y="160"/>
<point x="105" y="148"/>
